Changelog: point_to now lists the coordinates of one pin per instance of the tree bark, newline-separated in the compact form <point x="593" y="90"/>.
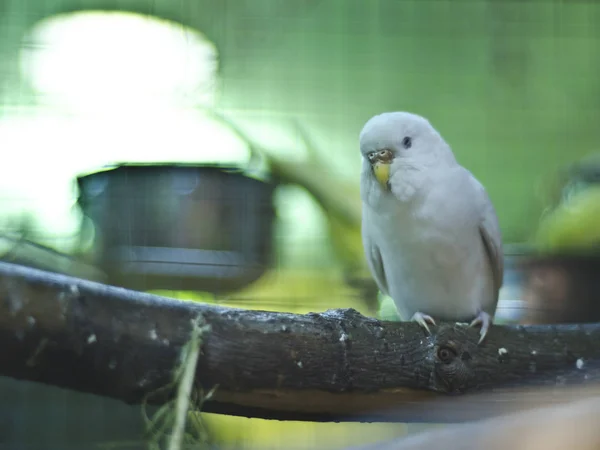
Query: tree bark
<point x="336" y="365"/>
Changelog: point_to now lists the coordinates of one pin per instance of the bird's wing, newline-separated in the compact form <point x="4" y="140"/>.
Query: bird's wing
<point x="374" y="260"/>
<point x="489" y="229"/>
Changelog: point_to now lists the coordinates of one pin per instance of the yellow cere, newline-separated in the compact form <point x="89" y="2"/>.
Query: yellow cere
<point x="382" y="173"/>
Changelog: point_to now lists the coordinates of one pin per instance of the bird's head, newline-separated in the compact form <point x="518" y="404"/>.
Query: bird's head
<point x="395" y="140"/>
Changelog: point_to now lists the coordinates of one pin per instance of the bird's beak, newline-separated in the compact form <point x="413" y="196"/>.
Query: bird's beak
<point x="382" y="173"/>
<point x="381" y="161"/>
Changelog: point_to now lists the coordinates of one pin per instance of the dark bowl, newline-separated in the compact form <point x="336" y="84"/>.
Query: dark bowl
<point x="178" y="227"/>
<point x="561" y="289"/>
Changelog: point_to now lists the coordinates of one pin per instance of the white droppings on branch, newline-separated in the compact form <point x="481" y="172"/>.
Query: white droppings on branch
<point x="72" y="292"/>
<point x="14" y="304"/>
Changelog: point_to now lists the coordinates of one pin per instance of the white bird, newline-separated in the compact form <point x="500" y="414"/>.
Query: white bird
<point x="430" y="232"/>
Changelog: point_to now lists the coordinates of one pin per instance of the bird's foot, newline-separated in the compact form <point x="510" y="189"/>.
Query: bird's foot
<point x="423" y="320"/>
<point x="485" y="320"/>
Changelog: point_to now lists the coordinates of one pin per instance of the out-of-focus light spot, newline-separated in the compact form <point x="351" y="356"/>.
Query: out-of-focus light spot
<point x="100" y="59"/>
<point x="111" y="87"/>
<point x="128" y="83"/>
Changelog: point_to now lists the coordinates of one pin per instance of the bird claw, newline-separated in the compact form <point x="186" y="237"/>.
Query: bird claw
<point x="423" y="319"/>
<point x="485" y="320"/>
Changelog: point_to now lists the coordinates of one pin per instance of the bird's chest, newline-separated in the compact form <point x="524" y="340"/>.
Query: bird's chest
<point x="427" y="243"/>
<point x="434" y="227"/>
<point x="428" y="251"/>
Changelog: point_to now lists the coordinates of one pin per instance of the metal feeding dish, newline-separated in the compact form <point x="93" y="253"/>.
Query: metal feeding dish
<point x="178" y="227"/>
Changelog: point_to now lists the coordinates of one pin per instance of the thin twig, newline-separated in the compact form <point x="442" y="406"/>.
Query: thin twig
<point x="186" y="383"/>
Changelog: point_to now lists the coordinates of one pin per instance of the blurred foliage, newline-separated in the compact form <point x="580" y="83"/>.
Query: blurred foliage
<point x="571" y="222"/>
<point x="573" y="226"/>
<point x="387" y="309"/>
<point x="258" y="434"/>
<point x="292" y="290"/>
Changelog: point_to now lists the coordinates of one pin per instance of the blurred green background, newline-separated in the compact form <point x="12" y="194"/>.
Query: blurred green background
<point x="513" y="86"/>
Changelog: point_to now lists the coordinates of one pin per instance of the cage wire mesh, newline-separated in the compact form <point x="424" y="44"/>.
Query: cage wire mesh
<point x="512" y="85"/>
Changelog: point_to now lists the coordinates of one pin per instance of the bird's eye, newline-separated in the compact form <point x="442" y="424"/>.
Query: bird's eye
<point x="406" y="142"/>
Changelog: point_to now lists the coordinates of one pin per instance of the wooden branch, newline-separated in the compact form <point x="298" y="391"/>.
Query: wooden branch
<point x="337" y="365"/>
